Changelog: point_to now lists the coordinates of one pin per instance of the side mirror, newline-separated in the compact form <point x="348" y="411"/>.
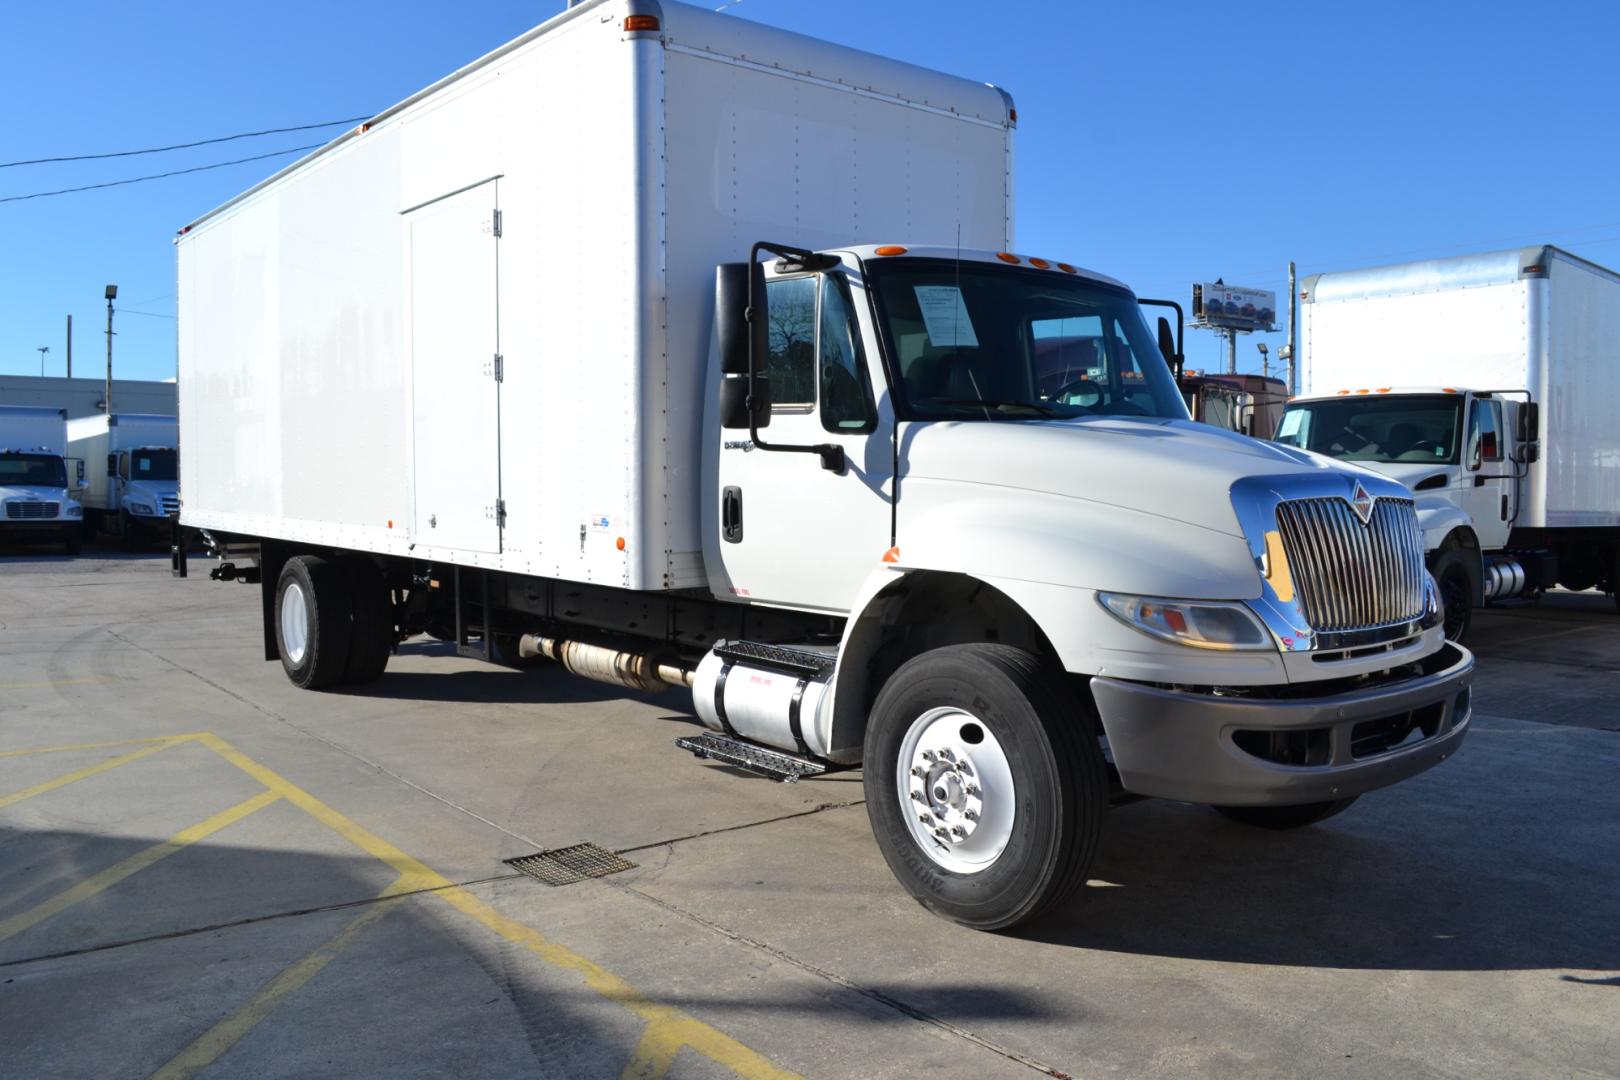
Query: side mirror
<point x="735" y="402"/>
<point x="112" y="464"/>
<point x="735" y="331"/>
<point x="1529" y="422"/>
<point x="1167" y="346"/>
<point x="79" y="462"/>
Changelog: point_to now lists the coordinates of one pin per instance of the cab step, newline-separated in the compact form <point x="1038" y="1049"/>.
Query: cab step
<point x="788" y="658"/>
<point x="751" y="757"/>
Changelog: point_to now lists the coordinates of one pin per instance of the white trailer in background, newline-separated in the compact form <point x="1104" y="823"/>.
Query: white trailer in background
<point x="35" y="501"/>
<point x="131" y="472"/>
<point x="1488" y="384"/>
<point x="503" y="364"/>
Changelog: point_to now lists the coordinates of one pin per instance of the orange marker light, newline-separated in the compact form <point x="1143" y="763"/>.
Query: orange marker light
<point x="619" y="543"/>
<point x="1363" y="390"/>
<point x="1383" y="389"/>
<point x="892" y="555"/>
<point x="390" y="523"/>
<point x="1343" y="392"/>
<point x="891" y="249"/>
<point x="633" y="23"/>
<point x="1006" y="258"/>
<point x="1039" y="264"/>
<point x="1066" y="268"/>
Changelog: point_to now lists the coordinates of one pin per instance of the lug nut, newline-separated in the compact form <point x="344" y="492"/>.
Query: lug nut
<point x="971" y="815"/>
<point x="926" y="819"/>
<point x="973" y="789"/>
<point x="947" y="755"/>
<point x="917" y="796"/>
<point x="941" y="833"/>
<point x="962" y="767"/>
<point x="928" y="755"/>
<point x="958" y="832"/>
<point x="917" y="770"/>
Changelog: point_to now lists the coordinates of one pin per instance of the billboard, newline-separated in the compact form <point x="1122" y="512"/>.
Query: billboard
<point x="1233" y="308"/>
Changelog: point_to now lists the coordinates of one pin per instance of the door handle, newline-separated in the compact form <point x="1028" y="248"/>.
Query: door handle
<point x="731" y="519"/>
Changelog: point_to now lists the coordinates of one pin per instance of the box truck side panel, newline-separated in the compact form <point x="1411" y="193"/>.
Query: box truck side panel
<point x="1475" y="337"/>
<point x="1580" y="449"/>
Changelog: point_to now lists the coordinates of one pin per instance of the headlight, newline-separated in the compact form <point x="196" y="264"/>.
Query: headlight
<point x="75" y="511"/>
<point x="1203" y="624"/>
<point x="140" y="509"/>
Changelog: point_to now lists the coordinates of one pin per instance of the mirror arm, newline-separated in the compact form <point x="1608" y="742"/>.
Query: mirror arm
<point x="831" y="454"/>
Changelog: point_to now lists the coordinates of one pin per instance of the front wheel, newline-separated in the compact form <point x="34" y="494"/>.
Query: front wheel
<point x="73" y="539"/>
<point x="984" y="784"/>
<point x="1456" y="595"/>
<point x="1285" y="817"/>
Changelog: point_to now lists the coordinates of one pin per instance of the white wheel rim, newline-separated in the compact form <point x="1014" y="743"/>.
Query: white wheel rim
<point x="956" y="794"/>
<point x="294" y="622"/>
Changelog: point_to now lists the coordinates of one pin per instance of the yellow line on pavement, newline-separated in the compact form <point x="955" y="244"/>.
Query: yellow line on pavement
<point x="208" y="1046"/>
<point x="654" y="1054"/>
<point x="92" y="770"/>
<point x="674" y="1026"/>
<point x="91" y="745"/>
<point x="106" y="879"/>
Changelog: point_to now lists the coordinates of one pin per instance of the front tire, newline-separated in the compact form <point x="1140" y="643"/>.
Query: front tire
<point x="1285" y="817"/>
<point x="73" y="539"/>
<point x="313" y="621"/>
<point x="1003" y="760"/>
<point x="1456" y="595"/>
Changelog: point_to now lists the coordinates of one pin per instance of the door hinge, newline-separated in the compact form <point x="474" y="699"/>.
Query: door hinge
<point x="500" y="513"/>
<point x="500" y="368"/>
<point x="495" y="224"/>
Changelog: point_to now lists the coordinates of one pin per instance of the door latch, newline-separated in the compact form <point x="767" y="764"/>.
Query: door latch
<point x="731" y="521"/>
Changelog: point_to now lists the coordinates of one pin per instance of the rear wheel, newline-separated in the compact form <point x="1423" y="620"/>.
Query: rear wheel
<point x="1285" y="817"/>
<point x="313" y="621"/>
<point x="984" y="784"/>
<point x="373" y="637"/>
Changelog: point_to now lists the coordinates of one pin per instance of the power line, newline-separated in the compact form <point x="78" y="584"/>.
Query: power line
<point x="180" y="146"/>
<point x="158" y="176"/>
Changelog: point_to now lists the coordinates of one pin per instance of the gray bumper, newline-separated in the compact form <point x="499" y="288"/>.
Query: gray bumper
<point x="1245" y="751"/>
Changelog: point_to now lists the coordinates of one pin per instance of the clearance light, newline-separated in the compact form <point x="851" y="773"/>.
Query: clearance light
<point x="891" y="249"/>
<point x="1383" y="389"/>
<point x="1039" y="264"/>
<point x="1363" y="390"/>
<point x="1012" y="114"/>
<point x="1006" y="258"/>
<point x="1066" y="268"/>
<point x="619" y="543"/>
<point x="1448" y="390"/>
<point x="633" y="23"/>
<point x="1343" y="392"/>
<point x="892" y="555"/>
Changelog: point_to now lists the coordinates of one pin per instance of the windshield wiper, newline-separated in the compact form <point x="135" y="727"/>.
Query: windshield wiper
<point x="1038" y="407"/>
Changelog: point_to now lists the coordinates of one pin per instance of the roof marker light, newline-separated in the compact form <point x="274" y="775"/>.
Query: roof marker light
<point x="632" y="23"/>
<point x="891" y="249"/>
<point x="1039" y="264"/>
<point x="1342" y="392"/>
<point x="1067" y="269"/>
<point x="1363" y="390"/>
<point x="1383" y="389"/>
<point x="1006" y="258"/>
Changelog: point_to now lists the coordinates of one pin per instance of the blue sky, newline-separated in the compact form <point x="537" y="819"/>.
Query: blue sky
<point x="1159" y="143"/>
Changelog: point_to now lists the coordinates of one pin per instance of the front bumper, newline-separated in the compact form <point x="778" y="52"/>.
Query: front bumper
<point x="1253" y="751"/>
<point x="24" y="530"/>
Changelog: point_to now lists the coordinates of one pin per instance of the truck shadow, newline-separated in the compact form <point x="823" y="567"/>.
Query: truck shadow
<point x="1373" y="889"/>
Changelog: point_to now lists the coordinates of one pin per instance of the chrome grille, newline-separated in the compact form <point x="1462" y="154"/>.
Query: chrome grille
<point x="1350" y="575"/>
<point x="171" y="505"/>
<point x="31" y="511"/>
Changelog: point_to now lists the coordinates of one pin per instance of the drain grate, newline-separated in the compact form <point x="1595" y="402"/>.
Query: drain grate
<point x="564" y="866"/>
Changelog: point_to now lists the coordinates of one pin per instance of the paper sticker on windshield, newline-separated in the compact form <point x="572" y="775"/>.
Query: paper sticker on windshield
<point x="946" y="317"/>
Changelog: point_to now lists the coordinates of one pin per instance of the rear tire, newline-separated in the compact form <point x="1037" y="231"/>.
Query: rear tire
<point x="314" y="622"/>
<point x="1285" y="817"/>
<point x="1035" y="782"/>
<point x="373" y="634"/>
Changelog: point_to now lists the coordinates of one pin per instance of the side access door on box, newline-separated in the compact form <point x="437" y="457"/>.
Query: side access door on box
<point x="454" y="246"/>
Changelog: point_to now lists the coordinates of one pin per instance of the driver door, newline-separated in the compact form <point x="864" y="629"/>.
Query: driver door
<point x="1487" y="474"/>
<point x="792" y="532"/>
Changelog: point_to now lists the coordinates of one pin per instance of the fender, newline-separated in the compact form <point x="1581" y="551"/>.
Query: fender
<point x="1438" y="519"/>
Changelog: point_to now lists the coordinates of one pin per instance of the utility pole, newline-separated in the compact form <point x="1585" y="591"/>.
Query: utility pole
<point x="112" y="294"/>
<point x="70" y="347"/>
<point x="1231" y="352"/>
<point x="42" y="350"/>
<point x="1293" y="330"/>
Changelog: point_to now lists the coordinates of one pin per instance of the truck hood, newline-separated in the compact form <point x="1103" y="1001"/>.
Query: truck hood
<point x="1172" y="469"/>
<point x="34" y="494"/>
<point x="151" y="490"/>
<point x="1410" y="473"/>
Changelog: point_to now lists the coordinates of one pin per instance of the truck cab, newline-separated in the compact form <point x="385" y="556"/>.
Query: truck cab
<point x="1249" y="404"/>
<point x="143" y="489"/>
<point x="36" y="501"/>
<point x="1462" y="453"/>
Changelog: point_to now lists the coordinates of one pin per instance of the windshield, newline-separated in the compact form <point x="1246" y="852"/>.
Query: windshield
<point x="1380" y="429"/>
<point x="32" y="470"/>
<point x="154" y="464"/>
<point x="971" y="341"/>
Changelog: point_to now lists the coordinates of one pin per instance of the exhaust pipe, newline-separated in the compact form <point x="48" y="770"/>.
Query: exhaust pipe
<point x="635" y="671"/>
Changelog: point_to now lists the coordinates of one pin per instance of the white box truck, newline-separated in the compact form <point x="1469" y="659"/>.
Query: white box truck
<point x="1487" y="384"/>
<point x="35" y="501"/>
<point x="875" y="498"/>
<point x="132" y="473"/>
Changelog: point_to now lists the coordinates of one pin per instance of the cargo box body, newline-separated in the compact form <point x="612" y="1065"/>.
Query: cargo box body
<point x="1535" y="319"/>
<point x="475" y="331"/>
<point x="93" y="439"/>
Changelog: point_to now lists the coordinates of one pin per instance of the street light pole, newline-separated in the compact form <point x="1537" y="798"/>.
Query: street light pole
<point x="42" y="350"/>
<point x="112" y="294"/>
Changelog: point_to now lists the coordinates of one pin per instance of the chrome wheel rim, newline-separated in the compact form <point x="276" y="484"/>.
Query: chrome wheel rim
<point x="294" y="622"/>
<point x="956" y="790"/>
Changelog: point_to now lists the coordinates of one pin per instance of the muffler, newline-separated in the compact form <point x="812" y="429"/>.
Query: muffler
<point x="646" y="672"/>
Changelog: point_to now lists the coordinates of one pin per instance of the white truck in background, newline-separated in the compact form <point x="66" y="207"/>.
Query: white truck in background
<point x="1487" y="384"/>
<point x="934" y="510"/>
<point x="35" y="501"/>
<point x="132" y="473"/>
